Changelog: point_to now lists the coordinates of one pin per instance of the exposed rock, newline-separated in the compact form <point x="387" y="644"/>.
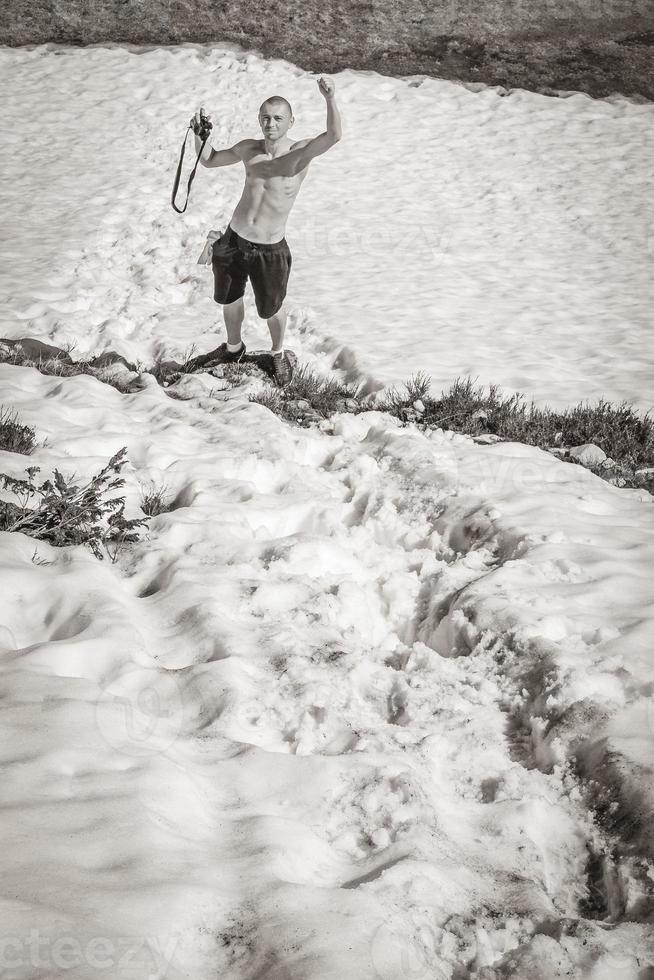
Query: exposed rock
<point x="589" y="454"/>
<point x="312" y="416"/>
<point x="194" y="386"/>
<point x="218" y="384"/>
<point x="166" y="368"/>
<point x="38" y="350"/>
<point x="486" y="438"/>
<point x="110" y="358"/>
<point x="419" y="406"/>
<point x="116" y="372"/>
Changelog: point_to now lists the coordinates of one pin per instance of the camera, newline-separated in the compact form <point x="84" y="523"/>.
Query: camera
<point x="204" y="128"/>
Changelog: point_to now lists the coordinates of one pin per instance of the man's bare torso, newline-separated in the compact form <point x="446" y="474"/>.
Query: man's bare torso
<point x="261" y="213"/>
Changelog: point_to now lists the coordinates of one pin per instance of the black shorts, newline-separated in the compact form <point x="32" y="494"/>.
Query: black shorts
<point x="235" y="259"/>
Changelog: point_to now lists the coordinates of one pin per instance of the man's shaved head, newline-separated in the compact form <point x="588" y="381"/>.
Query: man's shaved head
<point x="275" y="102"/>
<point x="275" y="119"/>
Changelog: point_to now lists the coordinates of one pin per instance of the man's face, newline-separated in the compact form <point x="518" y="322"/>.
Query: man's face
<point x="274" y="120"/>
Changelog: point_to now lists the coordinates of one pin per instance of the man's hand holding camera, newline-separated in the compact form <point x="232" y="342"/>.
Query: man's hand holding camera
<point x="201" y="124"/>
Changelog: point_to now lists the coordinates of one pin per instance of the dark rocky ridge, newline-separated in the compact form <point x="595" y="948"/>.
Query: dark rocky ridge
<point x="589" y="46"/>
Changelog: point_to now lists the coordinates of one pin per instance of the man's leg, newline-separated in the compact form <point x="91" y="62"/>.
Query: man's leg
<point x="277" y="326"/>
<point x="282" y="365"/>
<point x="233" y="314"/>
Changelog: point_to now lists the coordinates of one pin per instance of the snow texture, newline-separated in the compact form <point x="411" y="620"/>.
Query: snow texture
<point x="372" y="704"/>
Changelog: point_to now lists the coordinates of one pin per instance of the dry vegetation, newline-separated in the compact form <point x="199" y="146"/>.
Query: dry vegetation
<point x="626" y="437"/>
<point x="592" y="46"/>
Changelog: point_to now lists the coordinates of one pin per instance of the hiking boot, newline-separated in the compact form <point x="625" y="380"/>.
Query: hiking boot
<point x="218" y="356"/>
<point x="282" y="369"/>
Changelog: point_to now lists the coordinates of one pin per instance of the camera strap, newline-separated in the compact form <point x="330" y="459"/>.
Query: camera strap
<point x="179" y="173"/>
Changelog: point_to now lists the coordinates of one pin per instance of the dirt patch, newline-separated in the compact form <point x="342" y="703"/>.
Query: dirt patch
<point x="541" y="48"/>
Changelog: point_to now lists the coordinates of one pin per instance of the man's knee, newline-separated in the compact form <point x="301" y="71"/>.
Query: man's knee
<point x="233" y="304"/>
<point x="279" y="312"/>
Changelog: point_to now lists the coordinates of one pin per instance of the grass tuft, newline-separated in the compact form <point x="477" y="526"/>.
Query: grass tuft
<point x="270" y="398"/>
<point x="155" y="500"/>
<point x="397" y="403"/>
<point x="308" y="397"/>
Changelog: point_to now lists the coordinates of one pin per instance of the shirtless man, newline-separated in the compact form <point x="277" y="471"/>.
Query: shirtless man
<point x="253" y="245"/>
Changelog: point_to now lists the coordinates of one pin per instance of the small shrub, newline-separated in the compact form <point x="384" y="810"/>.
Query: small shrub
<point x="270" y="398"/>
<point x="14" y="437"/>
<point x="66" y="514"/>
<point x="238" y="371"/>
<point x="471" y="409"/>
<point x="394" y="402"/>
<point x="325" y="396"/>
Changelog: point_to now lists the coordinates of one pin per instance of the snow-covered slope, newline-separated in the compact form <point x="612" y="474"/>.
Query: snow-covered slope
<point x="334" y="716"/>
<point x="451" y="231"/>
<point x="369" y="704"/>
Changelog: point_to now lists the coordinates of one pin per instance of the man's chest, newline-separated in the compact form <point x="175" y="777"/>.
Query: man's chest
<point x="282" y="188"/>
<point x="282" y="184"/>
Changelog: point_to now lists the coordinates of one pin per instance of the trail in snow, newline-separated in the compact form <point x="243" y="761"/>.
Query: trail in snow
<point x="331" y="718"/>
<point x="376" y="704"/>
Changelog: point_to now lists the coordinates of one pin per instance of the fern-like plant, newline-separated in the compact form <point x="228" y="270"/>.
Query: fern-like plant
<point x="64" y="513"/>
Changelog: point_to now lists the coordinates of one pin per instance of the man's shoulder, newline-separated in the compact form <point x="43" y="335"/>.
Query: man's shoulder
<point x="245" y="148"/>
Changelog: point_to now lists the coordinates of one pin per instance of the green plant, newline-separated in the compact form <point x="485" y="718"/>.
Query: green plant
<point x="325" y="396"/>
<point x="270" y="398"/>
<point x="63" y="513"/>
<point x="467" y="407"/>
<point x="188" y="356"/>
<point x="416" y="388"/>
<point x="15" y="437"/>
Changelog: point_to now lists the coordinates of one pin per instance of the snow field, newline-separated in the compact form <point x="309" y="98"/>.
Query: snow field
<point x="375" y="704"/>
<point x="324" y="720"/>
<point x="454" y="230"/>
